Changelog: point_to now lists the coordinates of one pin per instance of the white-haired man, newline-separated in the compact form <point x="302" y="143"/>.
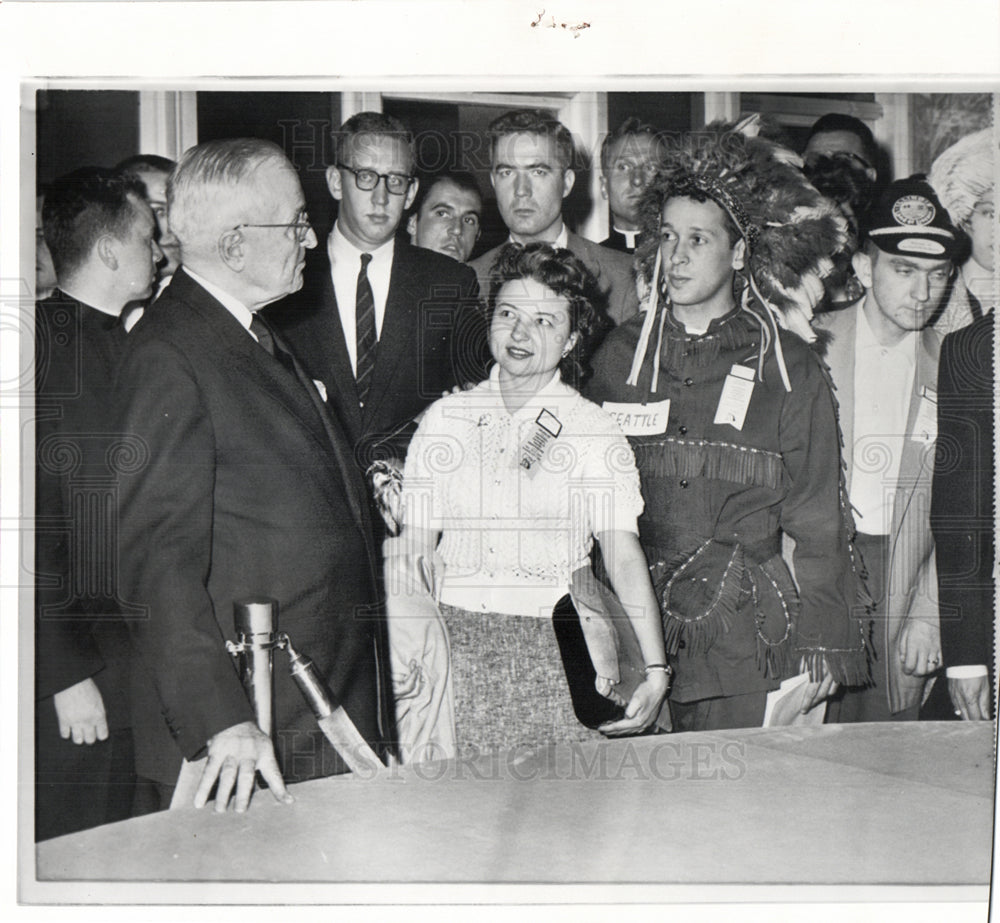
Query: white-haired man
<point x="249" y="490"/>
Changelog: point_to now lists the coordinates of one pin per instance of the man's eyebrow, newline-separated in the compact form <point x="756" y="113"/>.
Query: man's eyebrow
<point x="442" y="204"/>
<point x="527" y="166"/>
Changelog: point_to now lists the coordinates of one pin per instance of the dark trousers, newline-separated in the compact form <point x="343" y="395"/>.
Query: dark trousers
<point x="730" y="711"/>
<point x="78" y="786"/>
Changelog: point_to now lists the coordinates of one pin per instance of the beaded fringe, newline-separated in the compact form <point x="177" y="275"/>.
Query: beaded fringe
<point x="691" y="458"/>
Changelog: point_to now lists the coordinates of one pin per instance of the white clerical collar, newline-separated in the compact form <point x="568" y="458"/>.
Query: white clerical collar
<point x="561" y="241"/>
<point x="232" y="304"/>
<point x="630" y="236"/>
<point x="339" y="247"/>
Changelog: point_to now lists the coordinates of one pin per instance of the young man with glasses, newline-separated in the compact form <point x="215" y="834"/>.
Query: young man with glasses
<point x="388" y="327"/>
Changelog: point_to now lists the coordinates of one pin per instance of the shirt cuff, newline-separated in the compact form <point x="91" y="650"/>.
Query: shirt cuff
<point x="967" y="672"/>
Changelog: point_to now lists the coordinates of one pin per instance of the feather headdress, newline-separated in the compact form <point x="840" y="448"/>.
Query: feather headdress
<point x="963" y="174"/>
<point x="791" y="231"/>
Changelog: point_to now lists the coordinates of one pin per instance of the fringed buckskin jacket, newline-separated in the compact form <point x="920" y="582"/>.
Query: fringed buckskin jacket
<point x="719" y="496"/>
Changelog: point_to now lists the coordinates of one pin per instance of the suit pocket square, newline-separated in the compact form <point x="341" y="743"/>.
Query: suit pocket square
<point x="321" y="388"/>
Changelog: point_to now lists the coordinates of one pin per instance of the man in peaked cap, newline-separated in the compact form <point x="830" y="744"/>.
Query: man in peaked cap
<point x="884" y="362"/>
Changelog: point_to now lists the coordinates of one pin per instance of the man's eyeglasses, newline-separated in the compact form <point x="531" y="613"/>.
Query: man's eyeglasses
<point x="367" y="180"/>
<point x="302" y="227"/>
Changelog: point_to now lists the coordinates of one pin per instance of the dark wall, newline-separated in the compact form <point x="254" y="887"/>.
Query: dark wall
<point x="301" y="123"/>
<point x="77" y="128"/>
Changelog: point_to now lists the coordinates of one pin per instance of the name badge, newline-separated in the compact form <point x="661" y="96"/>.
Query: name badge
<point x="640" y="419"/>
<point x="547" y="427"/>
<point x="735" y="398"/>
<point x="925" y="426"/>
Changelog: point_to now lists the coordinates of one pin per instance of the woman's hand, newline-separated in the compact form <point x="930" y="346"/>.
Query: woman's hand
<point x="642" y="708"/>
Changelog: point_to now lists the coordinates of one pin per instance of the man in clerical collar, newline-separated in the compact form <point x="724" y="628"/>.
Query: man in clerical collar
<point x="629" y="157"/>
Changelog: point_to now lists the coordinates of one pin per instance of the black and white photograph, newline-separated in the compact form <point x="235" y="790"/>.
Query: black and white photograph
<point x="498" y="488"/>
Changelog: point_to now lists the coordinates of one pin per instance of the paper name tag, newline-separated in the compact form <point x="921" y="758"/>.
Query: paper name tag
<point x="547" y="427"/>
<point x="925" y="426"/>
<point x="735" y="398"/>
<point x="640" y="419"/>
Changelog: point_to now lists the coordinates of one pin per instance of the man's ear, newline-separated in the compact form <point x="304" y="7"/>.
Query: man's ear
<point x="862" y="264"/>
<point x="232" y="250"/>
<point x="411" y="228"/>
<point x="569" y="177"/>
<point x="411" y="193"/>
<point x="604" y="187"/>
<point x="107" y="251"/>
<point x="334" y="183"/>
<point x="739" y="254"/>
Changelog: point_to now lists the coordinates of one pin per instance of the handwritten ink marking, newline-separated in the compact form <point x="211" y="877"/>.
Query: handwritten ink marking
<point x="575" y="28"/>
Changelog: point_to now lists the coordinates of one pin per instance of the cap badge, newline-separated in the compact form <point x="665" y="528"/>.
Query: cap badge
<point x="913" y="211"/>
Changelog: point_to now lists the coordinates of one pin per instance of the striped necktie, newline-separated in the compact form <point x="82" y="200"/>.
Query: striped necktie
<point x="365" y="319"/>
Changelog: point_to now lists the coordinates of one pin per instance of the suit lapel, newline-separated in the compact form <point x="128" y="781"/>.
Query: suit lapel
<point x="843" y="326"/>
<point x="916" y="464"/>
<point x="342" y="391"/>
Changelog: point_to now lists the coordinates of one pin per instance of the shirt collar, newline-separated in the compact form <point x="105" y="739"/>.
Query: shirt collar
<point x="561" y="241"/>
<point x="866" y="338"/>
<point x="339" y="247"/>
<point x="555" y="395"/>
<point x="233" y="305"/>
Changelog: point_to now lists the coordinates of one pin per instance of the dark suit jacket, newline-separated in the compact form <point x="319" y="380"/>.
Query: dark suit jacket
<point x="962" y="502"/>
<point x="78" y="608"/>
<point x="244" y="486"/>
<point x="612" y="270"/>
<point x="433" y="337"/>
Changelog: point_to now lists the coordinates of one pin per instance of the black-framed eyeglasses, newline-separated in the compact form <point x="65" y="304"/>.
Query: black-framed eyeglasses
<point x="367" y="180"/>
<point x="302" y="227"/>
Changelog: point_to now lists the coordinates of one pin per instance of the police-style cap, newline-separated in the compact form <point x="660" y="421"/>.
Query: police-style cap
<point x="909" y="220"/>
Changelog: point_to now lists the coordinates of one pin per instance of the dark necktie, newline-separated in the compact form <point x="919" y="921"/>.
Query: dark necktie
<point x="260" y="329"/>
<point x="364" y="308"/>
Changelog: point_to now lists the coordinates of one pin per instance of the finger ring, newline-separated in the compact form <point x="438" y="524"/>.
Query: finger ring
<point x="932" y="659"/>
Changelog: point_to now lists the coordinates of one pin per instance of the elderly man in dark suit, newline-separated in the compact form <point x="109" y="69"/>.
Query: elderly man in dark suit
<point x="245" y="487"/>
<point x="101" y="235"/>
<point x="386" y="326"/>
<point x="531" y="155"/>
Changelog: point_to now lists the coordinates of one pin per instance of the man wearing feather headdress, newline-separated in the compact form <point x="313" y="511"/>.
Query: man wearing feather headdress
<point x="734" y="428"/>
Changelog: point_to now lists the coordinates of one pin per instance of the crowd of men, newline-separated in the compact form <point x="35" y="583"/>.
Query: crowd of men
<point x="213" y="383"/>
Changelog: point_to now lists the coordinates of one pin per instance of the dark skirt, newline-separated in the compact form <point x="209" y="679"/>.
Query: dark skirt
<point x="509" y="685"/>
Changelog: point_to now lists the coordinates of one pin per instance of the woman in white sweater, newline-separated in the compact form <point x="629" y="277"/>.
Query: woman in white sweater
<point x="511" y="482"/>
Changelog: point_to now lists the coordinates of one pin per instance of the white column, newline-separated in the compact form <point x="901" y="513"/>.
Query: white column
<point x="168" y="122"/>
<point x="351" y="103"/>
<point x="586" y="116"/>
<point x="892" y="132"/>
<point x="722" y="106"/>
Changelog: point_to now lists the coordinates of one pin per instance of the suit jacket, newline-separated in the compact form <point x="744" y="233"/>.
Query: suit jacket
<point x="612" y="270"/>
<point x="433" y="337"/>
<point x="962" y="505"/>
<point x="244" y="486"/>
<point x="911" y="574"/>
<point x="79" y="632"/>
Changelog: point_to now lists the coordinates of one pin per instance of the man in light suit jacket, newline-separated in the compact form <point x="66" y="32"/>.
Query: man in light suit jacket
<point x="884" y="360"/>
<point x="245" y="488"/>
<point x="386" y="326"/>
<point x="531" y="156"/>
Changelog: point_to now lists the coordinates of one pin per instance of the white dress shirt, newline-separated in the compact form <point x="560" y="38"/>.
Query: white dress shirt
<point x="883" y="385"/>
<point x="561" y="240"/>
<point x="345" y="264"/>
<point x="233" y="305"/>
